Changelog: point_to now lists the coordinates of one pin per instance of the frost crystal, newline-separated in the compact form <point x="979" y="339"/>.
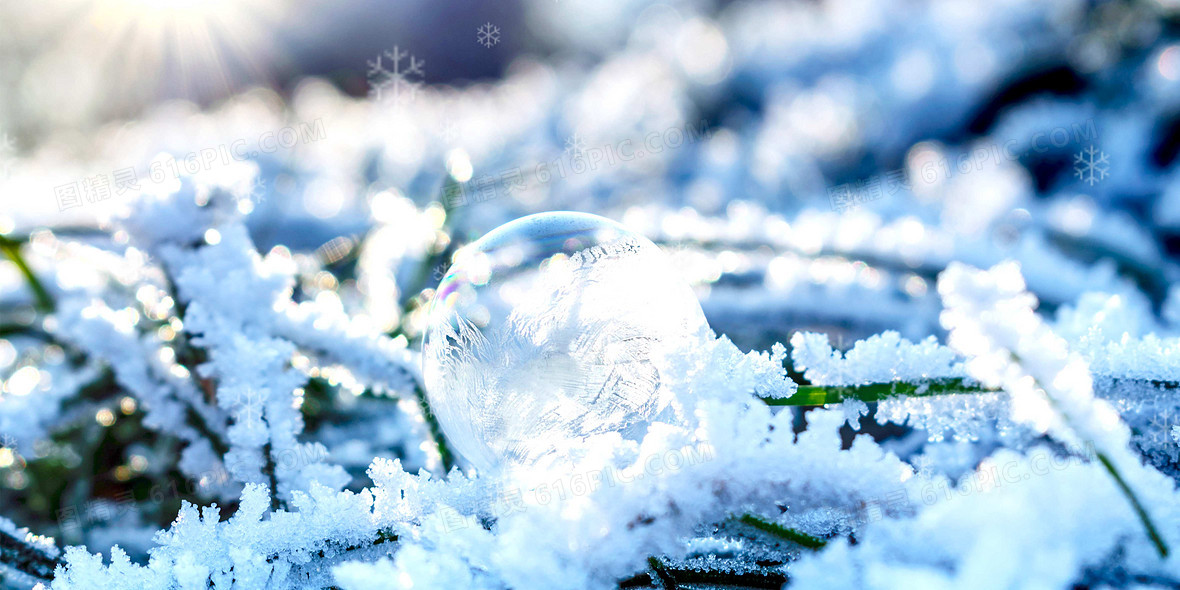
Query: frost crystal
<point x="218" y="388"/>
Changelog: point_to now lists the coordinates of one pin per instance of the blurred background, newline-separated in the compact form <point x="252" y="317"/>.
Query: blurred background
<point x="808" y="165"/>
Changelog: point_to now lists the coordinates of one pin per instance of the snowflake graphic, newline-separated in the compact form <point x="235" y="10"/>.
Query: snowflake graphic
<point x="258" y="191"/>
<point x="8" y="441"/>
<point x="923" y="466"/>
<point x="448" y="131"/>
<point x="487" y="35"/>
<point x="1091" y="165"/>
<point x="575" y="145"/>
<point x="249" y="407"/>
<point x="7" y="149"/>
<point x="1162" y="423"/>
<point x="399" y="85"/>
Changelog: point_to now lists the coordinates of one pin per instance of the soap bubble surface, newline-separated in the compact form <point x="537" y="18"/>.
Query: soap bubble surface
<point x="549" y="330"/>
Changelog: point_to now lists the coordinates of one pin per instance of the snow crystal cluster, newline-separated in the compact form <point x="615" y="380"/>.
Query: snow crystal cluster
<point x="934" y="357"/>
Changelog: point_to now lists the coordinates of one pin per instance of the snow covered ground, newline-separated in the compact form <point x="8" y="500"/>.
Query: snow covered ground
<point x="935" y="243"/>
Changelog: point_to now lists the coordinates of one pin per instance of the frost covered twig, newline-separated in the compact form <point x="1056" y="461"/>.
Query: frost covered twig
<point x="28" y="555"/>
<point x="7" y="330"/>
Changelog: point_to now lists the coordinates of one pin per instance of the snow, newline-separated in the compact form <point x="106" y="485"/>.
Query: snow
<point x="258" y="325"/>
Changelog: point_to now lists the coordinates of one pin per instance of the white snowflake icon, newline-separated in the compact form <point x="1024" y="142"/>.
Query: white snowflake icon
<point x="1162" y="423"/>
<point x="258" y="190"/>
<point x="8" y="441"/>
<point x="487" y="35"/>
<point x="923" y="466"/>
<point x="249" y="407"/>
<point x="400" y="85"/>
<point x="1091" y="165"/>
<point x="447" y="130"/>
<point x="7" y="149"/>
<point x="575" y="145"/>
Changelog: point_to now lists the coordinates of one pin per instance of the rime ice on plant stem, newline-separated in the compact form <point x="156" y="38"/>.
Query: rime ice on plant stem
<point x="991" y="320"/>
<point x="551" y="329"/>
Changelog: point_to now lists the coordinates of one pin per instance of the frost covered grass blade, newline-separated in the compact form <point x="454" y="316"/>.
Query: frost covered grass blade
<point x="11" y="248"/>
<point x="992" y="322"/>
<point x="821" y="395"/>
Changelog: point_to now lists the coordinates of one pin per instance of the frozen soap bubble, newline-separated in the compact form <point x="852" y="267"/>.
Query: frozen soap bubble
<point x="550" y="330"/>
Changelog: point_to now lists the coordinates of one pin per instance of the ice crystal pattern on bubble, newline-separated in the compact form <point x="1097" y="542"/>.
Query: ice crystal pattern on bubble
<point x="487" y="35"/>
<point x="604" y="366"/>
<point x="608" y="367"/>
<point x="1091" y="165"/>
<point x="555" y="329"/>
<point x="400" y="84"/>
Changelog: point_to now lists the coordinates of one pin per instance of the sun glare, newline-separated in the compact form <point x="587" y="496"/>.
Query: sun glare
<point x="196" y="49"/>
